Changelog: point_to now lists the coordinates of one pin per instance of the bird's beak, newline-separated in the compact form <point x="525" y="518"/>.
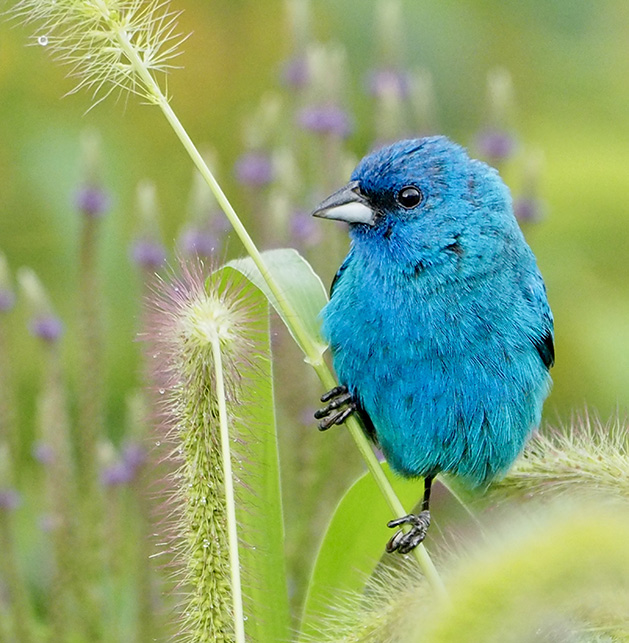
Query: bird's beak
<point x="346" y="204"/>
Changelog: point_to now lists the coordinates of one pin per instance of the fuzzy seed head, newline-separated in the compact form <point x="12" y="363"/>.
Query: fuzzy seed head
<point x="108" y="44"/>
<point x="588" y="456"/>
<point x="207" y="320"/>
<point x="188" y="315"/>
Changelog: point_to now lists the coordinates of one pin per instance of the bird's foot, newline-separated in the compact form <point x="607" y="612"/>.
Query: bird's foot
<point x="402" y="542"/>
<point x="341" y="405"/>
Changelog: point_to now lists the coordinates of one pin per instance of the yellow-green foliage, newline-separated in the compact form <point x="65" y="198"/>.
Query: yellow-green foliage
<point x="563" y="568"/>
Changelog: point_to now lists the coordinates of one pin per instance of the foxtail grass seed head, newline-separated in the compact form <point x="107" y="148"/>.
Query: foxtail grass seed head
<point x="587" y="457"/>
<point x="187" y="319"/>
<point x="108" y="44"/>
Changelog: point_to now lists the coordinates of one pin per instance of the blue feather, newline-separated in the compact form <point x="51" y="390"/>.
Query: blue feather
<point x="438" y="319"/>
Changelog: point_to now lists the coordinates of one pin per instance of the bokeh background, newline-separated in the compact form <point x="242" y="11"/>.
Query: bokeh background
<point x="569" y="62"/>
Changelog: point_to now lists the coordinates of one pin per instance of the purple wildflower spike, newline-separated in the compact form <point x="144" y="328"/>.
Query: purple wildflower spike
<point x="325" y="119"/>
<point x="43" y="453"/>
<point x="148" y="254"/>
<point x="528" y="209"/>
<point x="304" y="229"/>
<point x="496" y="144"/>
<point x="92" y="201"/>
<point x="198" y="241"/>
<point x="295" y="73"/>
<point x="46" y="327"/>
<point x="10" y="499"/>
<point x="7" y="300"/>
<point x="254" y="169"/>
<point x="388" y="81"/>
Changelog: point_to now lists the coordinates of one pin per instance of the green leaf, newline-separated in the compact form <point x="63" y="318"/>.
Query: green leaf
<point x="353" y="543"/>
<point x="299" y="283"/>
<point x="256" y="465"/>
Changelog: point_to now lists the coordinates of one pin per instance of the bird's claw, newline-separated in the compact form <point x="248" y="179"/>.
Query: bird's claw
<point x="403" y="542"/>
<point x="337" y="397"/>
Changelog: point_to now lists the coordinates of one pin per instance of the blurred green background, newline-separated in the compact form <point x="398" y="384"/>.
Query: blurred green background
<point x="570" y="65"/>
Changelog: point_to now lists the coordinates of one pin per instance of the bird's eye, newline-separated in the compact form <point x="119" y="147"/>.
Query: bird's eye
<point x="409" y="197"/>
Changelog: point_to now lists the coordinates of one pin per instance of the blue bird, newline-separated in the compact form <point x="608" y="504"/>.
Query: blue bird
<point x="438" y="321"/>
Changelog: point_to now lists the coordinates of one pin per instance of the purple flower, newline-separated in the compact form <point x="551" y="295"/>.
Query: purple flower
<point x="43" y="453"/>
<point x="116" y="474"/>
<point x="254" y="169"/>
<point x="220" y="224"/>
<point x="388" y="81"/>
<point x="148" y="254"/>
<point x="198" y="241"/>
<point x="46" y="327"/>
<point x="496" y="144"/>
<point x="124" y="470"/>
<point x="295" y="73"/>
<point x="92" y="201"/>
<point x="9" y="499"/>
<point x="528" y="209"/>
<point x="325" y="119"/>
<point x="7" y="300"/>
<point x="134" y="455"/>
<point x="304" y="229"/>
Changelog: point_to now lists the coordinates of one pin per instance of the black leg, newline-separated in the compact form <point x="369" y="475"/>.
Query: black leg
<point x="339" y="399"/>
<point x="403" y="542"/>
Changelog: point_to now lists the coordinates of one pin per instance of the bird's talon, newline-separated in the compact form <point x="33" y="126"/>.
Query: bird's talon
<point x="404" y="542"/>
<point x="337" y="397"/>
<point x="333" y="392"/>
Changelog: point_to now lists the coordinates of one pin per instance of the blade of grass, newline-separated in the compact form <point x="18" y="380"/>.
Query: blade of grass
<point x="353" y="544"/>
<point x="258" y="500"/>
<point x="302" y="289"/>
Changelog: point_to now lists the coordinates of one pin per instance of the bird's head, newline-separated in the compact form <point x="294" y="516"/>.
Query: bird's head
<point x="418" y="197"/>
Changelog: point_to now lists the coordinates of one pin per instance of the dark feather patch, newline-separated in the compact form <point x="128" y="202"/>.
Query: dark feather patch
<point x="339" y="272"/>
<point x="368" y="427"/>
<point x="546" y="348"/>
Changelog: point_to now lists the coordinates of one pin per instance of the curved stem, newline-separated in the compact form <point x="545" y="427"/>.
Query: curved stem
<point x="312" y="353"/>
<point x="230" y="500"/>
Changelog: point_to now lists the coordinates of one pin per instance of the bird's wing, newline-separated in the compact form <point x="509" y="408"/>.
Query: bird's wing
<point x="544" y="338"/>
<point x="339" y="272"/>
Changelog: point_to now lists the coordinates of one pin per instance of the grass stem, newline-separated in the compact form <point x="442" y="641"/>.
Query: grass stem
<point x="230" y="499"/>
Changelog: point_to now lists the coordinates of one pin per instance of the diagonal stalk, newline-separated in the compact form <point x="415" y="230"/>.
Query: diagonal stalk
<point x="312" y="354"/>
<point x="230" y="500"/>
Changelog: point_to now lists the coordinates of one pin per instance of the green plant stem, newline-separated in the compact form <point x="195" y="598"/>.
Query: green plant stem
<point x="230" y="499"/>
<point x="312" y="353"/>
